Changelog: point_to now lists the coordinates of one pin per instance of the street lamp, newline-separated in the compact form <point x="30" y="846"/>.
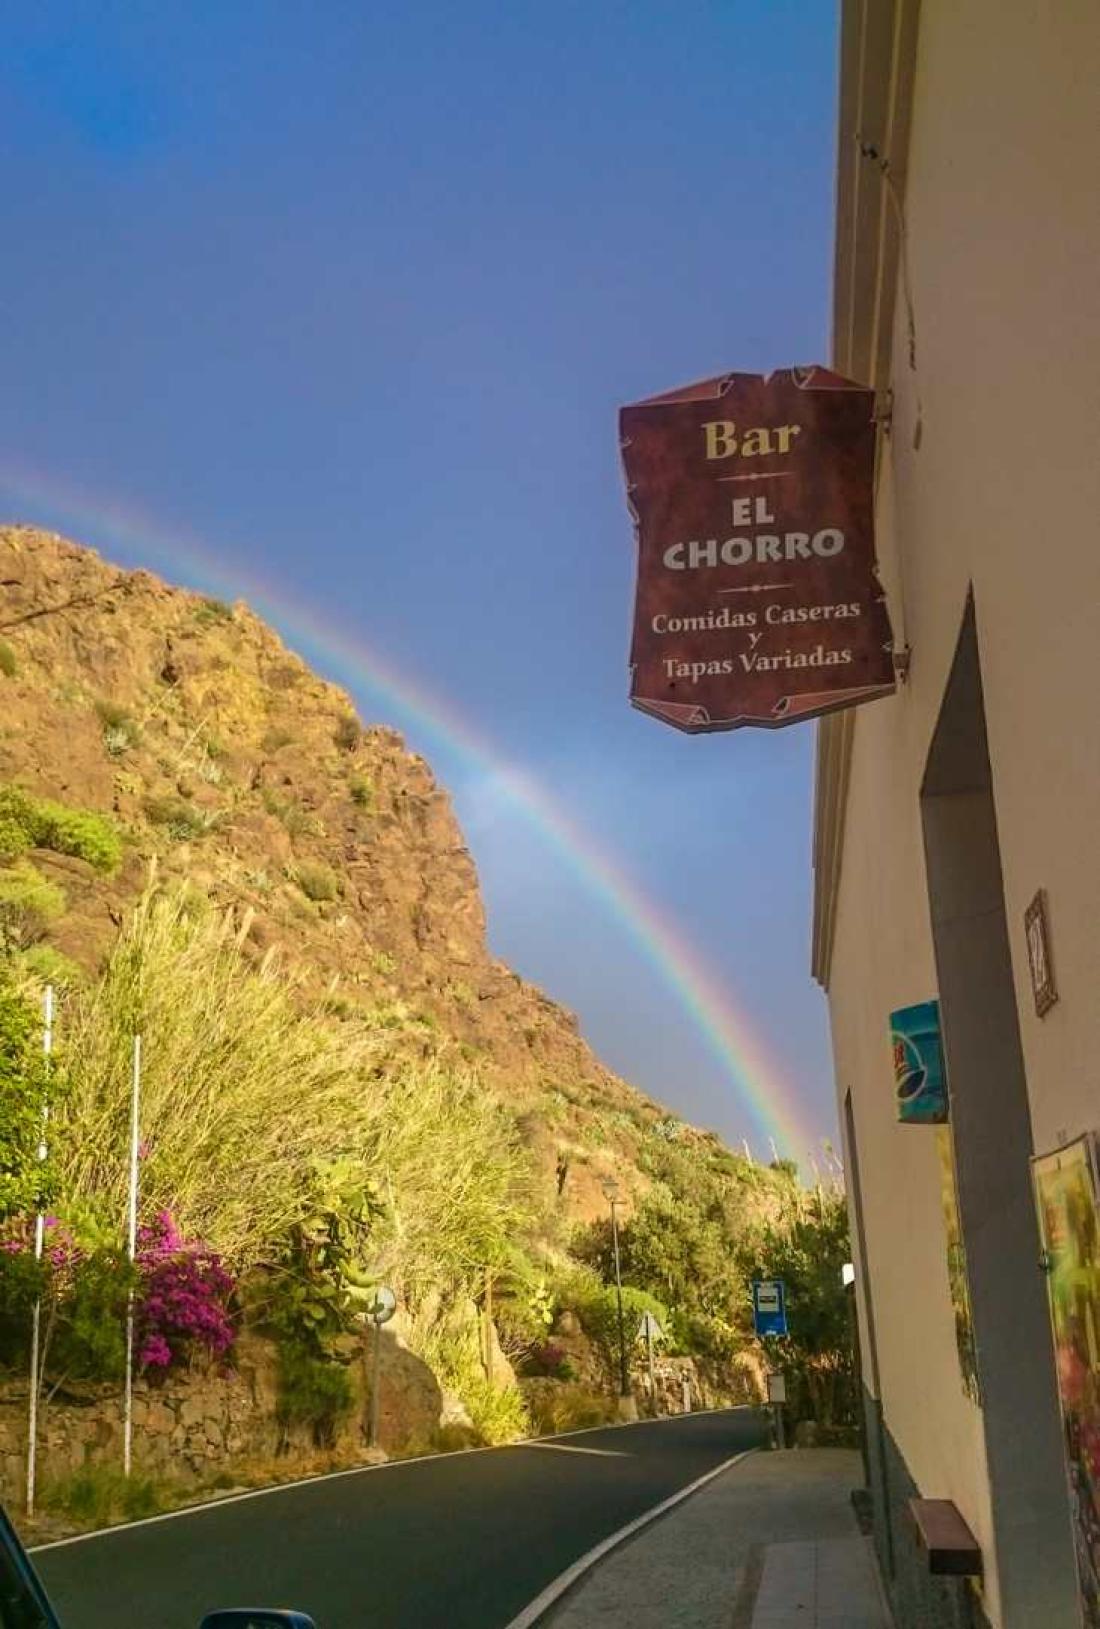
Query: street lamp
<point x="611" y="1189"/>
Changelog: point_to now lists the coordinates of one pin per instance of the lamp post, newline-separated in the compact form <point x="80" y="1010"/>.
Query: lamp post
<point x="611" y="1189"/>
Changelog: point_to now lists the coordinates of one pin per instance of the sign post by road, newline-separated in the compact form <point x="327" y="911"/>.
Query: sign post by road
<point x="380" y="1311"/>
<point x="777" y="1396"/>
<point x="651" y="1331"/>
<point x="627" y="1406"/>
<point x="769" y="1306"/>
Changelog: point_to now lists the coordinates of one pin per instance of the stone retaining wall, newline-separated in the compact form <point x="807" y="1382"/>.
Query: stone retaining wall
<point x="198" y="1423"/>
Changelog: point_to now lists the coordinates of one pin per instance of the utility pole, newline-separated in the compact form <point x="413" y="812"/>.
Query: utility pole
<point x="611" y="1189"/>
<point x="132" y="1215"/>
<point x="649" y="1360"/>
<point x="39" y="1248"/>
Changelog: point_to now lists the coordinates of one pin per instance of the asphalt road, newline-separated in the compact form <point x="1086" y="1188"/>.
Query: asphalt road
<point x="464" y="1541"/>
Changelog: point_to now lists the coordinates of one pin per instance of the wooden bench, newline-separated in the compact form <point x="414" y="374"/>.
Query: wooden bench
<point x="945" y="1538"/>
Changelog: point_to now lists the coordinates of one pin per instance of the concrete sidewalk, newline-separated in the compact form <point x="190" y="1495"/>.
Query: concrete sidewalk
<point x="770" y="1544"/>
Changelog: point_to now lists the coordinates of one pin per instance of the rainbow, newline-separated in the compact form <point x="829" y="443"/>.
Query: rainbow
<point x="729" y="1032"/>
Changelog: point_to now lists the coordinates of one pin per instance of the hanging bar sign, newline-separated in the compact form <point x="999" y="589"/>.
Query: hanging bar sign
<point x="757" y="597"/>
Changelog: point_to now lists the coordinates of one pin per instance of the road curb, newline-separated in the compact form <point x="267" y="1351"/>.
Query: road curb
<point x="565" y="1581"/>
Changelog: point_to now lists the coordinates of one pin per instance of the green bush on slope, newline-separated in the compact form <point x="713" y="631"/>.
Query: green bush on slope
<point x="28" y="822"/>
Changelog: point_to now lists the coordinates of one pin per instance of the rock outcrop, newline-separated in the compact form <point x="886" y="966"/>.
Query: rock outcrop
<point x="218" y="751"/>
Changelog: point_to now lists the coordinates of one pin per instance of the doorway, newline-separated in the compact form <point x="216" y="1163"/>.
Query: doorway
<point x="991" y="1123"/>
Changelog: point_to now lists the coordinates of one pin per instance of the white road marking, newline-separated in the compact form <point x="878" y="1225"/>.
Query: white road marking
<point x="572" y="1448"/>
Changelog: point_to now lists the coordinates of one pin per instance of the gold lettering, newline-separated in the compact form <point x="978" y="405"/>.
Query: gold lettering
<point x="721" y="438"/>
<point x="756" y="443"/>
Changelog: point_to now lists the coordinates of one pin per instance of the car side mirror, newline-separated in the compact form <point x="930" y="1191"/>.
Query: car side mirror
<point x="256" y="1617"/>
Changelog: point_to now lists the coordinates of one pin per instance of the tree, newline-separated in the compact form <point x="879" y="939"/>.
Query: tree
<point x="807" y="1248"/>
<point x="680" y="1255"/>
<point x="26" y="1182"/>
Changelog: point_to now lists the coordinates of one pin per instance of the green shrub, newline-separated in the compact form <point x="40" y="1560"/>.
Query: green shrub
<point x="209" y="611"/>
<point x="313" y="1391"/>
<point x="555" y="1406"/>
<point x="499" y="1413"/>
<point x="46" y="965"/>
<point x="362" y="792"/>
<point x="101" y="1495"/>
<point x="806" y="1246"/>
<point x="86" y="836"/>
<point x="28" y="904"/>
<point x="453" y="1353"/>
<point x="347" y="733"/>
<point x="112" y="715"/>
<point x="318" y="882"/>
<point x="598" y="1312"/>
<point x="26" y="1087"/>
<point x="297" y="821"/>
<point x="8" y="664"/>
<point x="450" y="1439"/>
<point x="15" y="823"/>
<point x="88" y="1341"/>
<point x="30" y="822"/>
<point x="181" y="819"/>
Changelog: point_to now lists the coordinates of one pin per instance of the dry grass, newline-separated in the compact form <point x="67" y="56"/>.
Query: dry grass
<point x="248" y="1091"/>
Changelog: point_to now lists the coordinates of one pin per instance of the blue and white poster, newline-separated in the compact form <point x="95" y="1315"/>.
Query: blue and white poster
<point x="920" y="1083"/>
<point x="769" y="1306"/>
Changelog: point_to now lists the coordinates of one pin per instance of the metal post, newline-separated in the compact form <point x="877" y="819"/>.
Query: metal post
<point x="375" y="1385"/>
<point x="780" y="1437"/>
<point x="489" y="1325"/>
<point x="649" y="1357"/>
<point x="39" y="1248"/>
<point x="128" y="1401"/>
<point x="624" y="1384"/>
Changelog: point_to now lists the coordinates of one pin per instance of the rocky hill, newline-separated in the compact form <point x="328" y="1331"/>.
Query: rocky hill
<point x="342" y="1087"/>
<point x="217" y="751"/>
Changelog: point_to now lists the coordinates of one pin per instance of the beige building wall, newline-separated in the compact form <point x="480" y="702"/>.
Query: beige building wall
<point x="989" y="114"/>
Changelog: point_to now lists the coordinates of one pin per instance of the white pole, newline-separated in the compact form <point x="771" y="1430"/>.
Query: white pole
<point x="39" y="1247"/>
<point x="128" y="1404"/>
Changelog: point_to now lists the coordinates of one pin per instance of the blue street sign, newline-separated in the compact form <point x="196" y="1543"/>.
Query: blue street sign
<point x="769" y="1306"/>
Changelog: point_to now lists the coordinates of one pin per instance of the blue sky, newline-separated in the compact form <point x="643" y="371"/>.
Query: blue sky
<point x="353" y="292"/>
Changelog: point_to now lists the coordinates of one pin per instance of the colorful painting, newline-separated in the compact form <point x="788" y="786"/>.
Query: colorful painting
<point x="1065" y="1194"/>
<point x="919" y="1079"/>
<point x="957" y="1278"/>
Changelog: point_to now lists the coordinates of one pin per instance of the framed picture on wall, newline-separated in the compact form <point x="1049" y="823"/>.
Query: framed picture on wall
<point x="920" y="1085"/>
<point x="1037" y="928"/>
<point x="1066" y="1203"/>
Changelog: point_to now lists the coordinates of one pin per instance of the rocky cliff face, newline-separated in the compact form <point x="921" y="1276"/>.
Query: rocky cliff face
<point x="223" y="759"/>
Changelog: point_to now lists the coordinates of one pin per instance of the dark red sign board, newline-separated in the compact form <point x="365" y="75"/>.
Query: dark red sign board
<point x="757" y="598"/>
